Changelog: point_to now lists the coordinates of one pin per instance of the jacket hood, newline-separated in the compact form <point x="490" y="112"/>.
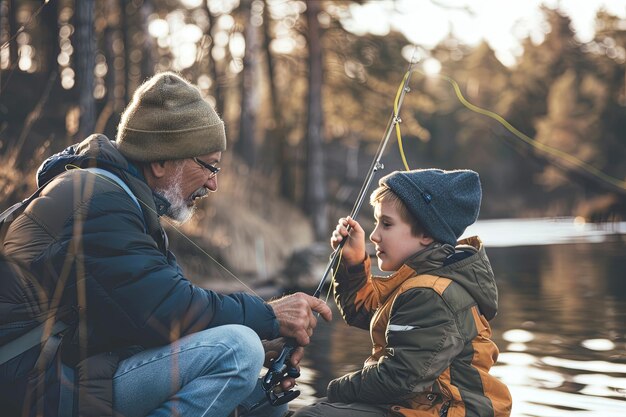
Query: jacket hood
<point x="99" y="151"/>
<point x="466" y="264"/>
<point x="96" y="150"/>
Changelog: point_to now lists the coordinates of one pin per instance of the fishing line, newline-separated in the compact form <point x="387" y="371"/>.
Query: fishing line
<point x="332" y="278"/>
<point x="403" y="89"/>
<point x="174" y="226"/>
<point x="556" y="153"/>
<point x="528" y="140"/>
<point x="395" y="111"/>
<point x="17" y="32"/>
<point x="25" y="25"/>
<point x="393" y="123"/>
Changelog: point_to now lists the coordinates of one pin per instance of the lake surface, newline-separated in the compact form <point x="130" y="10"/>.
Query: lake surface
<point x="561" y="327"/>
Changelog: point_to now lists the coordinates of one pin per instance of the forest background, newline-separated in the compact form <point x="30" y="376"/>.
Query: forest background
<point x="306" y="102"/>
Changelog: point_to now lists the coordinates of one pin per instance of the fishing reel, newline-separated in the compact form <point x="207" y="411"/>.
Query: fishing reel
<point x="280" y="369"/>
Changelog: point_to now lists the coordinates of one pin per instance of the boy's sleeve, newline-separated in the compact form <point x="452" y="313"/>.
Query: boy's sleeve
<point x="422" y="341"/>
<point x="354" y="294"/>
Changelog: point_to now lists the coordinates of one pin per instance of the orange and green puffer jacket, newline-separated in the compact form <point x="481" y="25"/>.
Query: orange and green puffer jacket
<point x="429" y="324"/>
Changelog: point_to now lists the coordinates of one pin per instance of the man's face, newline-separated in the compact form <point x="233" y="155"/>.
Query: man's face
<point x="188" y="182"/>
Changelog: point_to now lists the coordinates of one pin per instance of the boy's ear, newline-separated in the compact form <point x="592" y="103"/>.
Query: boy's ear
<point x="425" y="239"/>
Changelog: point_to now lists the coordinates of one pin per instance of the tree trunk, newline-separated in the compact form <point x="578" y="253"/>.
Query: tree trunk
<point x="50" y="20"/>
<point x="13" y="28"/>
<point x="269" y="58"/>
<point x="216" y="74"/>
<point x="276" y="147"/>
<point x="84" y="42"/>
<point x="128" y="45"/>
<point x="316" y="195"/>
<point x="148" y="63"/>
<point x="116" y="77"/>
<point x="2" y="31"/>
<point x="250" y="95"/>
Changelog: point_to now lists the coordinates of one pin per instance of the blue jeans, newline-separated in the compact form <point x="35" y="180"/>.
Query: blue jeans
<point x="203" y="374"/>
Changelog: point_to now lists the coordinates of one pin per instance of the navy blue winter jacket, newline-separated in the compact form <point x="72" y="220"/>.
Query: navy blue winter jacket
<point x="89" y="247"/>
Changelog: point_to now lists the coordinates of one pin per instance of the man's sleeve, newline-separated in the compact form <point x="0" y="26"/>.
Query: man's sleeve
<point x="130" y="282"/>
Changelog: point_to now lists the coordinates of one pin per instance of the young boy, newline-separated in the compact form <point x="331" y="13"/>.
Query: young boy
<point x="429" y="325"/>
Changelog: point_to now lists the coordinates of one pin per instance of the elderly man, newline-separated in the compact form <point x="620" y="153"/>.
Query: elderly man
<point x="123" y="328"/>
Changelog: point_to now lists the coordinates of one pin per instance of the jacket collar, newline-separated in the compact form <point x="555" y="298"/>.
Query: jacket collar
<point x="162" y="204"/>
<point x="472" y="270"/>
<point x="423" y="262"/>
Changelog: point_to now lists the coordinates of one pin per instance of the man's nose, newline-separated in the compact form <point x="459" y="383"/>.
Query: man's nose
<point x="211" y="184"/>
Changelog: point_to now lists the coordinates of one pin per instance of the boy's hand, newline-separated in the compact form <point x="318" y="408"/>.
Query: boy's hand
<point x="354" y="248"/>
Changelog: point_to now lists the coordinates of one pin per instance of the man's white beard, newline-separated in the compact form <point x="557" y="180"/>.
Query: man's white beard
<point x="178" y="211"/>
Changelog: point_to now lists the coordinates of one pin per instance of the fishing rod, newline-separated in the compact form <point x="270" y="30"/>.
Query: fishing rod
<point x="280" y="368"/>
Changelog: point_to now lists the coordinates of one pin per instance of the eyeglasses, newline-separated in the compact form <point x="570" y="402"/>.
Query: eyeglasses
<point x="213" y="170"/>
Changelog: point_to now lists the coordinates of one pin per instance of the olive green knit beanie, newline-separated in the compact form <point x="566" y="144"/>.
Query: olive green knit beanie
<point x="168" y="119"/>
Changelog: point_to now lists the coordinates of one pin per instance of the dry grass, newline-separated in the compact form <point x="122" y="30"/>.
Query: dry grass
<point x="15" y="185"/>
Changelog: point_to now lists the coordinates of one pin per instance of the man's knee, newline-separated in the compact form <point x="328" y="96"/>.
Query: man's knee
<point x="247" y="348"/>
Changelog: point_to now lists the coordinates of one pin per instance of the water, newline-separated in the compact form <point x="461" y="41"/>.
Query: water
<point x="561" y="328"/>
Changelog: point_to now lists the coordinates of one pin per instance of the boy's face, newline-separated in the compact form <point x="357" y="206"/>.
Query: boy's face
<point x="392" y="237"/>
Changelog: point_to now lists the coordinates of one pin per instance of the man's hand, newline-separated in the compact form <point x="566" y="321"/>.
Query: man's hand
<point x="295" y="315"/>
<point x="273" y="349"/>
<point x="354" y="248"/>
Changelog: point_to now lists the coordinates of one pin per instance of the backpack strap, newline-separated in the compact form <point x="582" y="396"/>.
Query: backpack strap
<point x="121" y="184"/>
<point x="29" y="340"/>
<point x="118" y="181"/>
<point x="34" y="337"/>
<point x="10" y="214"/>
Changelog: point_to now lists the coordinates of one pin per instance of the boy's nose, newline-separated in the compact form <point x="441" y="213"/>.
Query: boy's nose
<point x="374" y="236"/>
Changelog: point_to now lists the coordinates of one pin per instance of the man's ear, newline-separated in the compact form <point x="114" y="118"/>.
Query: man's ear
<point x="154" y="173"/>
<point x="157" y="169"/>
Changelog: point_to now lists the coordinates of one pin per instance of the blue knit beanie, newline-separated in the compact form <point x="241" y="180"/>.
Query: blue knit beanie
<point x="444" y="202"/>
